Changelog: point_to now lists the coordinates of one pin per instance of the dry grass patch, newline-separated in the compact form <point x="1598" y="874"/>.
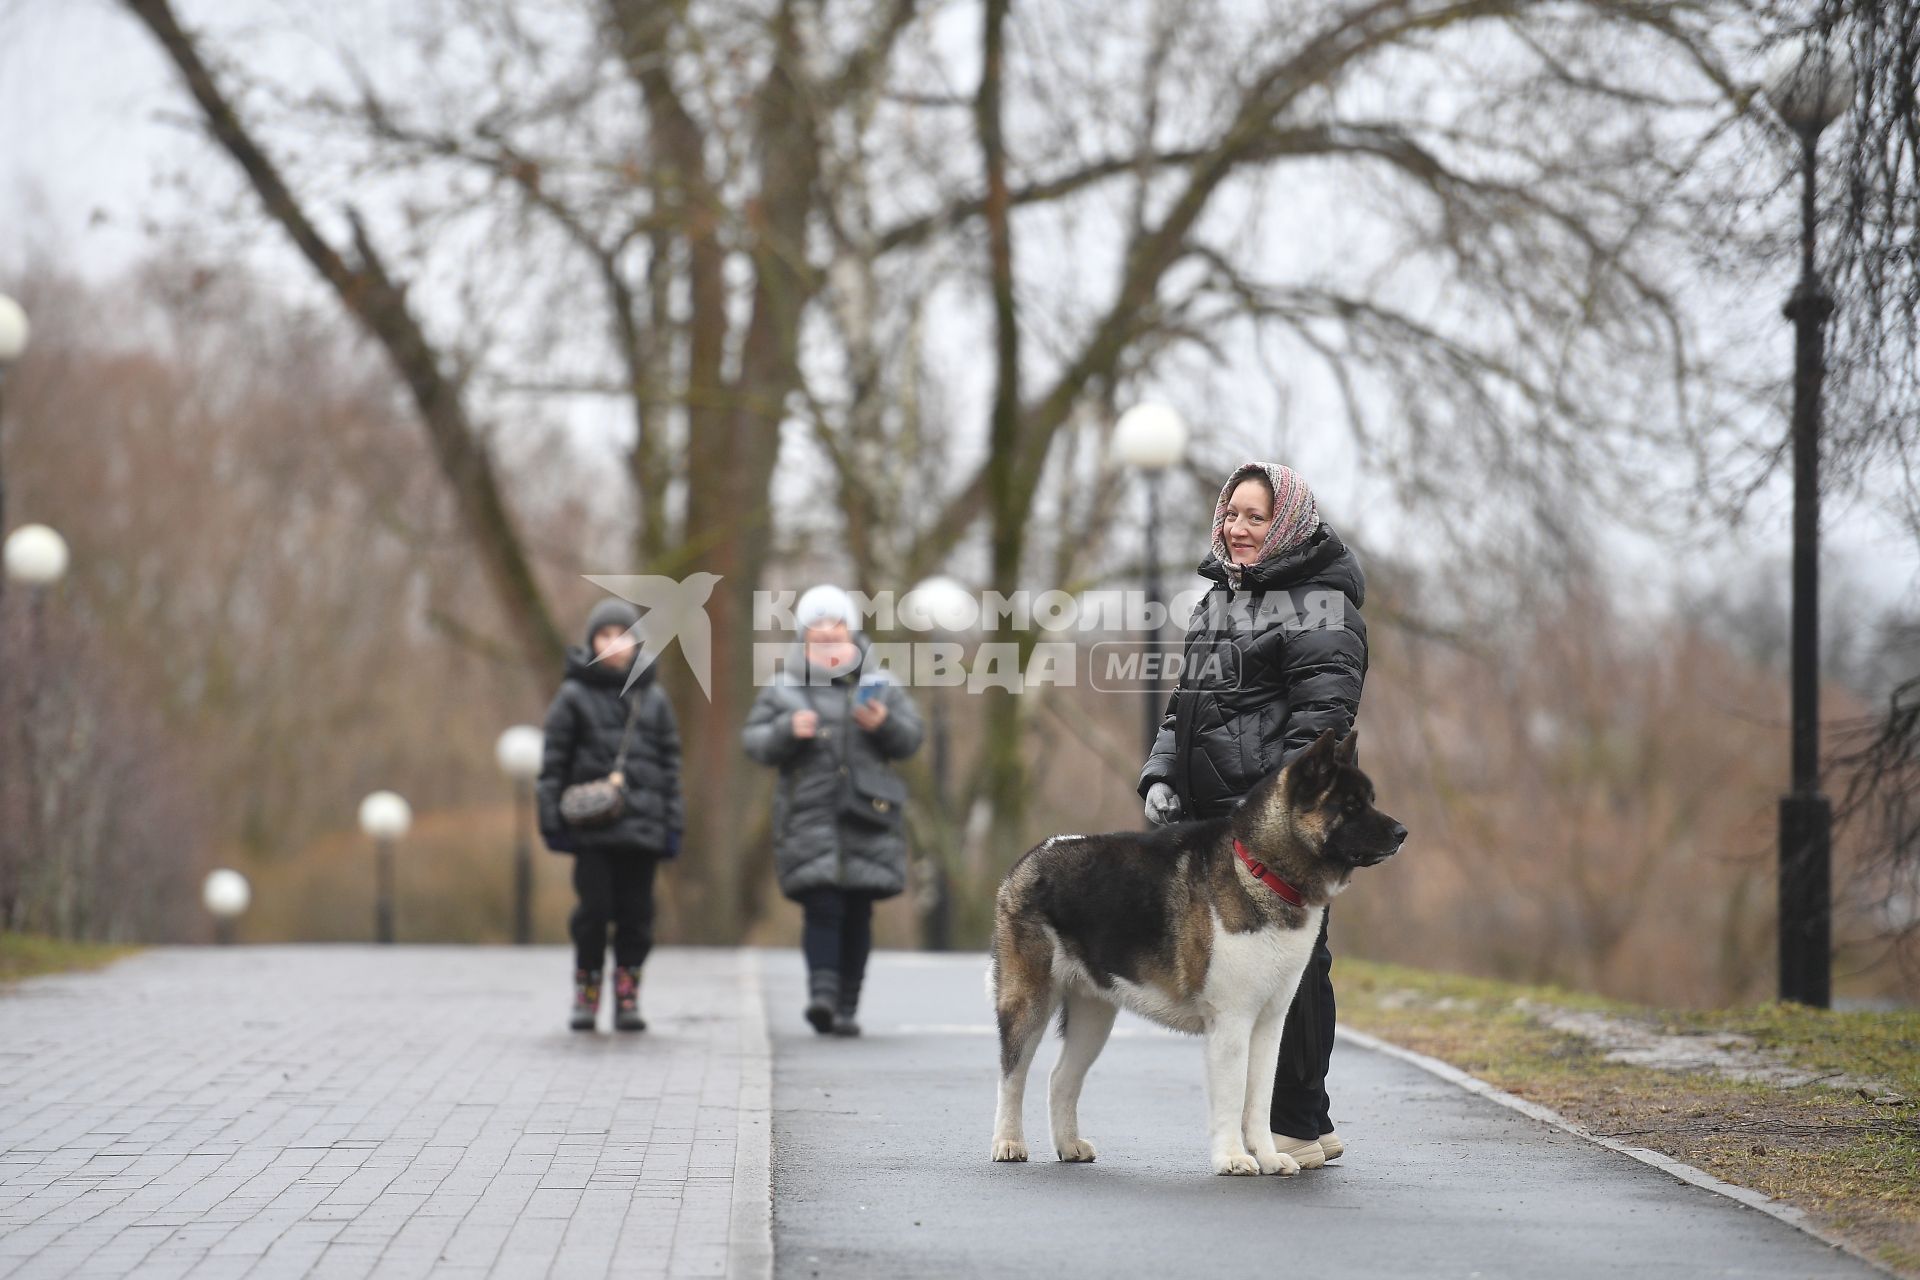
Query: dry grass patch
<point x="1849" y="1156"/>
<point x="26" y="955"/>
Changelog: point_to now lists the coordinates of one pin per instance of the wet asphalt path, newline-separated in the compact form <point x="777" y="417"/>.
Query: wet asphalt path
<point x="880" y="1168"/>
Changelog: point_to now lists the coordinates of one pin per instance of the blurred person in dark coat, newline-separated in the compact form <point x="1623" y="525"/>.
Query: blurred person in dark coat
<point x="614" y="863"/>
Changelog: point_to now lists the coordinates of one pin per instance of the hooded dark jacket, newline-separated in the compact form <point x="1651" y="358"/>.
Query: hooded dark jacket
<point x="583" y="731"/>
<point x="1265" y="670"/>
<point x="815" y="844"/>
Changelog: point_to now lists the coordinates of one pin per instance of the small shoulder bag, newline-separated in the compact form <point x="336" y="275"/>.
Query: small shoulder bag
<point x="600" y="802"/>
<point x="872" y="796"/>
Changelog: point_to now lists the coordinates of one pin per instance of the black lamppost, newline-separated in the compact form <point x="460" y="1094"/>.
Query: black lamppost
<point x="1151" y="438"/>
<point x="1808" y="88"/>
<point x="518" y="752"/>
<point x="385" y="816"/>
<point x="940" y="606"/>
<point x="226" y="896"/>
<point x="34" y="557"/>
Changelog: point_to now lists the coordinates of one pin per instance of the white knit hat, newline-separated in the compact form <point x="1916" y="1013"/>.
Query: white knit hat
<point x="825" y="603"/>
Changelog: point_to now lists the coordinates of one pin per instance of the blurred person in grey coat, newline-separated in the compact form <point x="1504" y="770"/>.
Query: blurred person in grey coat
<point x="833" y="731"/>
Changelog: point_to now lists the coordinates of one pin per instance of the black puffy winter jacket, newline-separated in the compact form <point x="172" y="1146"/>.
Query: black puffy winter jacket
<point x="583" y="731"/>
<point x="1265" y="669"/>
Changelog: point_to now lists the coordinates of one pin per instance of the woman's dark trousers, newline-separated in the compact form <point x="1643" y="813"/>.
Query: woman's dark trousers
<point x="615" y="889"/>
<point x="838" y="934"/>
<point x="1300" y="1106"/>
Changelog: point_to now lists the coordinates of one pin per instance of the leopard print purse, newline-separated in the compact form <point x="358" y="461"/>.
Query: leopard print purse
<point x="587" y="805"/>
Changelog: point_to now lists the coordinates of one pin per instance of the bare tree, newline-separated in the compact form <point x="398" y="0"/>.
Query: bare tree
<point x="99" y="839"/>
<point x="1873" y="199"/>
<point x="1878" y="769"/>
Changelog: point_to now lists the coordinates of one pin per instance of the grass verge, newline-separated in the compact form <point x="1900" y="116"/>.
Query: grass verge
<point x="1851" y="1161"/>
<point x="24" y="955"/>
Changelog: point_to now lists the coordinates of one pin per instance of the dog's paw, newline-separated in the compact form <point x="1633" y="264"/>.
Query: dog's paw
<point x="1304" y="1152"/>
<point x="1236" y="1163"/>
<point x="1277" y="1162"/>
<point x="1079" y="1151"/>
<point x="1009" y="1149"/>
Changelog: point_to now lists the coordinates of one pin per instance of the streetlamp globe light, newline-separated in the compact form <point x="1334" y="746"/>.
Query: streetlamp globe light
<point x="939" y="603"/>
<point x="14" y="330"/>
<point x="1807" y="83"/>
<point x="36" y="556"/>
<point x="226" y="895"/>
<point x="943" y="606"/>
<point x="518" y="752"/>
<point x="385" y="815"/>
<point x="1151" y="437"/>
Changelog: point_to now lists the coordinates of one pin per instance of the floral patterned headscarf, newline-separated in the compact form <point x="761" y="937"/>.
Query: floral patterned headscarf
<point x="1295" y="514"/>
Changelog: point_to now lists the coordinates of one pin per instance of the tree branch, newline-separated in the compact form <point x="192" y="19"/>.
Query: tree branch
<point x="379" y="302"/>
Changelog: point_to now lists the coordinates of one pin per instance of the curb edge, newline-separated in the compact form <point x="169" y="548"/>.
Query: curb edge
<point x="750" y="1221"/>
<point x="1794" y="1217"/>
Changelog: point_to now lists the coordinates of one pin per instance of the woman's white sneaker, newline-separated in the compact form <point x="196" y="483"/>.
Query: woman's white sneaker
<point x="1306" y="1152"/>
<point x="1331" y="1147"/>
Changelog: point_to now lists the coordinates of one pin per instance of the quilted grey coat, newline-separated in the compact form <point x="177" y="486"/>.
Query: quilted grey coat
<point x="815" y="843"/>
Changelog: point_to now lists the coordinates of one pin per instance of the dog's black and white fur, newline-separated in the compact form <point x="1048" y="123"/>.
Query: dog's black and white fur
<point x="1171" y="924"/>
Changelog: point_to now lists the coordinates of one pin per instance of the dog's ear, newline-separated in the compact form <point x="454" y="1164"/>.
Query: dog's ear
<point x="1312" y="770"/>
<point x="1348" y="752"/>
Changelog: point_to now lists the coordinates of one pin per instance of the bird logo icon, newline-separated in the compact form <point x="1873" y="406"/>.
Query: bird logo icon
<point x="670" y="609"/>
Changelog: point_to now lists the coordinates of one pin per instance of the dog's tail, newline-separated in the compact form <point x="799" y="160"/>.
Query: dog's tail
<point x="1002" y="908"/>
<point x="1022" y="979"/>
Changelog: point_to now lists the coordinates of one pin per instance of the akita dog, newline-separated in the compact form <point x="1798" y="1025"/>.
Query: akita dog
<point x="1204" y="927"/>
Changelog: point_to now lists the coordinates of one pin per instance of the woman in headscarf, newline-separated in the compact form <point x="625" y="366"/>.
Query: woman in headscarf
<point x="1276" y="654"/>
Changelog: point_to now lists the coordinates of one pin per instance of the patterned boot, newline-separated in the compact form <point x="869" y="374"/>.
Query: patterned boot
<point x="845" y="1008"/>
<point x="586" y="999"/>
<point x="626" y="999"/>
<point x="824" y="986"/>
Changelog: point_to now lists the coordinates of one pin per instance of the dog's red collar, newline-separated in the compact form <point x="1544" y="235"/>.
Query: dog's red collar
<point x="1261" y="873"/>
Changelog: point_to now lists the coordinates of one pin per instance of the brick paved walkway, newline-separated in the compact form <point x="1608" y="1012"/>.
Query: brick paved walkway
<point x="358" y="1111"/>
